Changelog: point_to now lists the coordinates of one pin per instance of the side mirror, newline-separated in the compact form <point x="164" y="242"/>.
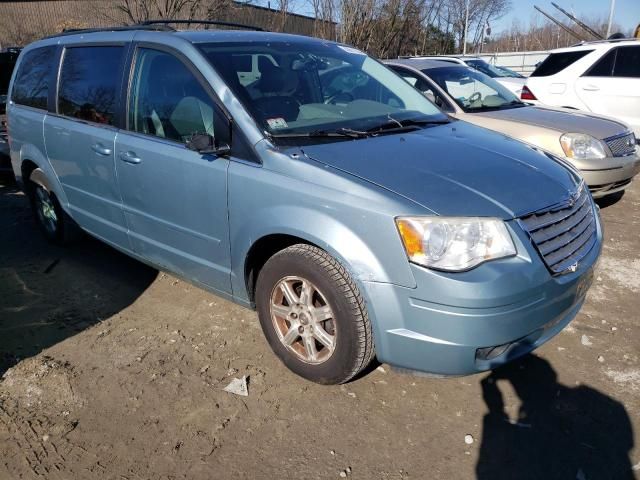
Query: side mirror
<point x="206" y="144"/>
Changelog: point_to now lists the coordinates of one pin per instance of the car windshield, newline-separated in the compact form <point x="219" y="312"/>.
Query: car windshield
<point x="308" y="88"/>
<point x="472" y="90"/>
<point x="487" y="68"/>
<point x="508" y="72"/>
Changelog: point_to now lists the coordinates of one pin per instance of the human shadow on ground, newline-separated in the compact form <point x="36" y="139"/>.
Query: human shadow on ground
<point x="561" y="432"/>
<point x="49" y="293"/>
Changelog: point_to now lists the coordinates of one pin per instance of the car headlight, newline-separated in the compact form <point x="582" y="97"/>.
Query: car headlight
<point x="454" y="243"/>
<point x="582" y="146"/>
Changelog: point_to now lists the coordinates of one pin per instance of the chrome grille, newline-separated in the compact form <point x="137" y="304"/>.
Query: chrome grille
<point x="622" y="145"/>
<point x="563" y="235"/>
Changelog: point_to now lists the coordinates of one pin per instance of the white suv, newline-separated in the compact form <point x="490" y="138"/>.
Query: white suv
<point x="602" y="77"/>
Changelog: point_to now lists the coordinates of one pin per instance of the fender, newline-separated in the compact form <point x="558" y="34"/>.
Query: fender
<point x="323" y="230"/>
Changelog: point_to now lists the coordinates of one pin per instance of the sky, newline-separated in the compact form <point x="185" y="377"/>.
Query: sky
<point x="626" y="12"/>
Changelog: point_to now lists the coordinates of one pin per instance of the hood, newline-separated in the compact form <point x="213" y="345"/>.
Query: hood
<point x="455" y="170"/>
<point x="560" y="120"/>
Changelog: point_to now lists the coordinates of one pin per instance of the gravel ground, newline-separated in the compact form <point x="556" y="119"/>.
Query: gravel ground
<point x="114" y="370"/>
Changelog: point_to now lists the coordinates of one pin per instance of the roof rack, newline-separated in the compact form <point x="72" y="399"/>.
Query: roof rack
<point x="201" y="22"/>
<point x="75" y="31"/>
<point x="604" y="40"/>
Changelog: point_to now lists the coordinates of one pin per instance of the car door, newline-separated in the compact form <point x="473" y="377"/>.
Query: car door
<point x="80" y="136"/>
<point x="612" y="86"/>
<point x="174" y="199"/>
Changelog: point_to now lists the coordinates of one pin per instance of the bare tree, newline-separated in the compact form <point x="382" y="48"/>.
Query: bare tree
<point x="138" y="11"/>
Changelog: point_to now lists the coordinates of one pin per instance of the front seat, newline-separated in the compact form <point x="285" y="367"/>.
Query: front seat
<point x="276" y="86"/>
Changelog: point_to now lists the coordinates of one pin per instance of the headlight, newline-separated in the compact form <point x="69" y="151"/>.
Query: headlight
<point x="582" y="146"/>
<point x="454" y="243"/>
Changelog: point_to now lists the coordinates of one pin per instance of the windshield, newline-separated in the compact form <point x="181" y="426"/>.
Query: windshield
<point x="296" y="88"/>
<point x="473" y="90"/>
<point x="486" y="68"/>
<point x="508" y="72"/>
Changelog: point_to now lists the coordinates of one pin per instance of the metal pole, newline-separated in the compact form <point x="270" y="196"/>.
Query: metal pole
<point x="579" y="23"/>
<point x="466" y="26"/>
<point x="564" y="27"/>
<point x="613" y="6"/>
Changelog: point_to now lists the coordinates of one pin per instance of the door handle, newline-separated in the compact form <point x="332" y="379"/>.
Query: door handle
<point x="590" y="88"/>
<point x="101" y="149"/>
<point x="130" y="157"/>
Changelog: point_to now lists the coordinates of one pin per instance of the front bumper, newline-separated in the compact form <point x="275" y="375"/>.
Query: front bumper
<point x="616" y="176"/>
<point x="450" y="323"/>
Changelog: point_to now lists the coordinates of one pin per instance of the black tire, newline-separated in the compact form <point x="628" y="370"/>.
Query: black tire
<point x="61" y="231"/>
<point x="353" y="346"/>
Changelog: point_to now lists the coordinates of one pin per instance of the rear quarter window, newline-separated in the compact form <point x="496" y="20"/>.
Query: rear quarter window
<point x="556" y="62"/>
<point x="31" y="85"/>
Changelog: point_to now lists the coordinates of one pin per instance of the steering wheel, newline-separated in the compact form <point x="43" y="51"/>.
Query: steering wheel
<point x="474" y="97"/>
<point x="345" y="96"/>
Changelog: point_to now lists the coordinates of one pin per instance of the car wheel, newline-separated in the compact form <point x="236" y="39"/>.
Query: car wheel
<point x="313" y="315"/>
<point x="52" y="220"/>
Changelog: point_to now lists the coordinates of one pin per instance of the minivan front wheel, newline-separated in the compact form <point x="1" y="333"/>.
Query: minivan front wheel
<point x="313" y="315"/>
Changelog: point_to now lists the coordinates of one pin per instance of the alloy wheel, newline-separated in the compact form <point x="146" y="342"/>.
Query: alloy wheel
<point x="303" y="319"/>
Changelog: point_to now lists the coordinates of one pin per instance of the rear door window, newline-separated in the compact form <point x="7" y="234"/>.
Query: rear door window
<point x="604" y="66"/>
<point x="627" y="62"/>
<point x="31" y="86"/>
<point x="556" y="62"/>
<point x="89" y="83"/>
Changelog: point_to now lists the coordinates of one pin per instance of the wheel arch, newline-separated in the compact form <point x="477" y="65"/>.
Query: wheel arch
<point x="261" y="251"/>
<point x="33" y="161"/>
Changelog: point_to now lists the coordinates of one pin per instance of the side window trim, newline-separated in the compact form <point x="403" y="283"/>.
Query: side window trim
<point x="54" y="109"/>
<point x="52" y="103"/>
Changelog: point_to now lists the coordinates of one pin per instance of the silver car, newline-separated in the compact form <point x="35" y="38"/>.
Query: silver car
<point x="603" y="149"/>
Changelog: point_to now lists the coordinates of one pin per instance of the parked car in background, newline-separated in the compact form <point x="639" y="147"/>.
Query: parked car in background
<point x="506" y="79"/>
<point x="601" y="77"/>
<point x="604" y="150"/>
<point x="508" y="72"/>
<point x="319" y="188"/>
<point x="8" y="60"/>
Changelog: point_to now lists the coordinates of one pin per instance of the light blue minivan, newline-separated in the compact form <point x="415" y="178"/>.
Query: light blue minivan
<point x="304" y="179"/>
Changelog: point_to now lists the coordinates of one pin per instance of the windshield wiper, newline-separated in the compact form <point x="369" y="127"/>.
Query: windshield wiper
<point x="394" y="125"/>
<point x="338" y="132"/>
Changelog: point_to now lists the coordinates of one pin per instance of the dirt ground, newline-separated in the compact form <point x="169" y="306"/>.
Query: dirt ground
<point x="114" y="370"/>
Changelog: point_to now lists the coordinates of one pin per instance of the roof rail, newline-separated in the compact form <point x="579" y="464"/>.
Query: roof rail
<point x="605" y="40"/>
<point x="75" y="31"/>
<point x="201" y="22"/>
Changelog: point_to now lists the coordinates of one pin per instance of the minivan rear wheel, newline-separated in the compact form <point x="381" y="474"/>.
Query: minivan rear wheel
<point x="52" y="220"/>
<point x="313" y="315"/>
